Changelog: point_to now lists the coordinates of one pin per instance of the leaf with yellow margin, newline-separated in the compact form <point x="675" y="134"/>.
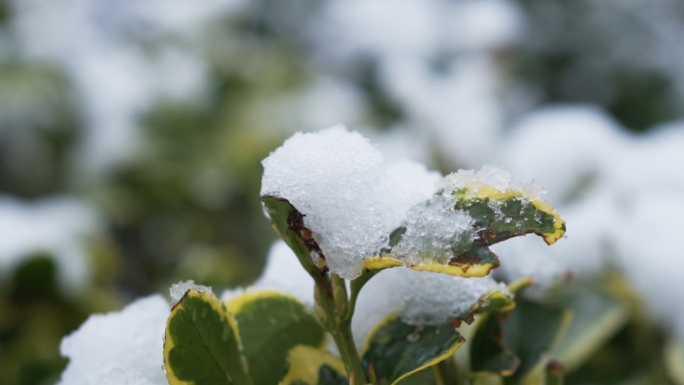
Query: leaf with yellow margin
<point x="494" y="301"/>
<point x="396" y="349"/>
<point x="271" y="324"/>
<point x="497" y="216"/>
<point x="501" y="215"/>
<point x="202" y="344"/>
<point x="312" y="366"/>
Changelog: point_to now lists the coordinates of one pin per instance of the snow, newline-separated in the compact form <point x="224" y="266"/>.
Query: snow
<point x="104" y="48"/>
<point x="178" y="290"/>
<point x="648" y="247"/>
<point x="433" y="58"/>
<point x="414" y="28"/>
<point x="404" y="184"/>
<point x="421" y="298"/>
<point x="330" y="177"/>
<point x="58" y="226"/>
<point x="283" y="272"/>
<point x="559" y="146"/>
<point x="489" y="177"/>
<point x="457" y="104"/>
<point x="124" y="347"/>
<point x="433" y="229"/>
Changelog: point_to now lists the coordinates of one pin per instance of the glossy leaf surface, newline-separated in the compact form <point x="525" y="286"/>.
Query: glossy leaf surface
<point x="397" y="350"/>
<point x="312" y="366"/>
<point x="271" y="324"/>
<point x="202" y="344"/>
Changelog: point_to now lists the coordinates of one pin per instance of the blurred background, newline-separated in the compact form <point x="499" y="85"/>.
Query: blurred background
<point x="131" y="135"/>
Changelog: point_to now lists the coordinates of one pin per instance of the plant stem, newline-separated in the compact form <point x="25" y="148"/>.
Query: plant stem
<point x="338" y="326"/>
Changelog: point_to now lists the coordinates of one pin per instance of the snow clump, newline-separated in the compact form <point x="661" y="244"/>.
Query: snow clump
<point x="178" y="290"/>
<point x="432" y="229"/>
<point x="124" y="347"/>
<point x="350" y="198"/>
<point x="421" y="298"/>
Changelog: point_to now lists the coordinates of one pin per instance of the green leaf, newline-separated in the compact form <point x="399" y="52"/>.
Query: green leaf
<point x="597" y="317"/>
<point x="202" y="344"/>
<point x="502" y="215"/>
<point x="313" y="366"/>
<point x="488" y="354"/>
<point x="427" y="376"/>
<point x="494" y="301"/>
<point x="532" y="330"/>
<point x="396" y="350"/>
<point x="475" y="261"/>
<point x="497" y="216"/>
<point x="517" y="286"/>
<point x="271" y="324"/>
<point x="288" y="222"/>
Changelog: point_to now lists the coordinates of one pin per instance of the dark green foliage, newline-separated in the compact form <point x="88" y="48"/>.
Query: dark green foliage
<point x="270" y="325"/>
<point x="202" y="344"/>
<point x="396" y="349"/>
<point x="488" y="353"/>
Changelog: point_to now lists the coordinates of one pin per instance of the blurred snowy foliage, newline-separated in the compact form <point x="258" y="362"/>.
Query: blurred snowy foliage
<point x="153" y="116"/>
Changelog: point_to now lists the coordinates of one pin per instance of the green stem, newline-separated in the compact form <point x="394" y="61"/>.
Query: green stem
<point x="339" y="327"/>
<point x="356" y="286"/>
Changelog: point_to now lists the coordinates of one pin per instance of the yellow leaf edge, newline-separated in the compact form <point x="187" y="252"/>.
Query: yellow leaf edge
<point x="236" y="304"/>
<point x="169" y="343"/>
<point x="457" y="270"/>
<point x="305" y="363"/>
<point x="434" y="361"/>
<point x="481" y="191"/>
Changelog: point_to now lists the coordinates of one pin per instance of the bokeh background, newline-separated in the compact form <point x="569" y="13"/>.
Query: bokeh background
<point x="131" y="131"/>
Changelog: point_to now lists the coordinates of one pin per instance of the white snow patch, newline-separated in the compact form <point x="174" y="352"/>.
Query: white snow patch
<point x="283" y="272"/>
<point x="432" y="229"/>
<point x="403" y="185"/>
<point x="124" y="347"/>
<point x="562" y="145"/>
<point x="58" y="227"/>
<point x="421" y="298"/>
<point x="178" y="290"/>
<point x="331" y="176"/>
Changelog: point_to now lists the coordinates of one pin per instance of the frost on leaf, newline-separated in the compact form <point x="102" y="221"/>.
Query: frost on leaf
<point x="471" y="211"/>
<point x="425" y="299"/>
<point x="334" y="201"/>
<point x="178" y="290"/>
<point x="329" y="177"/>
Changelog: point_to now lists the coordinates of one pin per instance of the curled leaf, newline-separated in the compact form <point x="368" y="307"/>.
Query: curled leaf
<point x="480" y="217"/>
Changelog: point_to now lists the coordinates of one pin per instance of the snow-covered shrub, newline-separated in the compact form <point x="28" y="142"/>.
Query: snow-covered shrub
<point x="415" y="242"/>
